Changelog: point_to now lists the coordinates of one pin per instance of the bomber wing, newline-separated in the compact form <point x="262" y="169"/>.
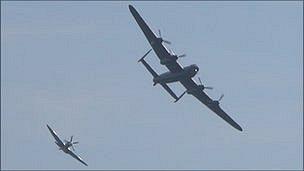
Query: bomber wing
<point x="156" y="43"/>
<point x="197" y="92"/>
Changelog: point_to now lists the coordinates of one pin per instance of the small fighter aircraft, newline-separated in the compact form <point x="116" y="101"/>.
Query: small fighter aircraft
<point x="65" y="147"/>
<point x="177" y="72"/>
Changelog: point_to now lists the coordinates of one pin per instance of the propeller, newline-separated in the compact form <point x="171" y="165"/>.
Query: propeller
<point x="221" y="97"/>
<point x="179" y="56"/>
<point x="71" y="142"/>
<point x="201" y="84"/>
<point x="73" y="147"/>
<point x="217" y="102"/>
<point x="165" y="41"/>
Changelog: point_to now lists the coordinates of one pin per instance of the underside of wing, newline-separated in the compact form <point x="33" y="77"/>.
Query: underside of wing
<point x="220" y="112"/>
<point x="59" y="142"/>
<point x="192" y="87"/>
<point x="77" y="157"/>
<point x="201" y="96"/>
<point x="155" y="42"/>
<point x="142" y="24"/>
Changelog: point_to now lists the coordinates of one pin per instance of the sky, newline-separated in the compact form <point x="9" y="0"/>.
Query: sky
<point x="73" y="65"/>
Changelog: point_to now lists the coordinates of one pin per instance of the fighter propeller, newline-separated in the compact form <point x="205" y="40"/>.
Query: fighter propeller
<point x="71" y="143"/>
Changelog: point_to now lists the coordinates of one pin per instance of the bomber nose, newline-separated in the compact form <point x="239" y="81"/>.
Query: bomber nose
<point x="196" y="68"/>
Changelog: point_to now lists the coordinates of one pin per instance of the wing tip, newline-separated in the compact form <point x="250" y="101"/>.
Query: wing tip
<point x="131" y="8"/>
<point x="83" y="162"/>
<point x="48" y="126"/>
<point x="238" y="127"/>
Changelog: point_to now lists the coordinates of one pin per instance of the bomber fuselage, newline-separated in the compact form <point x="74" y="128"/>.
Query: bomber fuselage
<point x="169" y="77"/>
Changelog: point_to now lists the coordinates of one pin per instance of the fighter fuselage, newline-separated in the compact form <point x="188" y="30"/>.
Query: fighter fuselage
<point x="64" y="148"/>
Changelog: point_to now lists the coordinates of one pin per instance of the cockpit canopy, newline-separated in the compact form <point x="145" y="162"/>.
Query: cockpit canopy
<point x="195" y="68"/>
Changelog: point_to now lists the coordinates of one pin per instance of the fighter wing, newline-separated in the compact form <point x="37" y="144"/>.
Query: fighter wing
<point x="192" y="87"/>
<point x="59" y="142"/>
<point x="155" y="42"/>
<point x="76" y="157"/>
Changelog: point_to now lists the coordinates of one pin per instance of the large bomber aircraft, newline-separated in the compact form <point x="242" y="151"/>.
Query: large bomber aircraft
<point x="176" y="72"/>
<point x="65" y="147"/>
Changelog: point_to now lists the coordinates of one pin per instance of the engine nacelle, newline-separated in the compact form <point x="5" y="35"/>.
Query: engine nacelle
<point x="198" y="88"/>
<point x="168" y="60"/>
<point x="191" y="91"/>
<point x="158" y="40"/>
<point x="213" y="103"/>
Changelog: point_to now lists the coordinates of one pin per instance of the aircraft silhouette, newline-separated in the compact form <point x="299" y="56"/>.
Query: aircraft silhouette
<point x="176" y="72"/>
<point x="65" y="147"/>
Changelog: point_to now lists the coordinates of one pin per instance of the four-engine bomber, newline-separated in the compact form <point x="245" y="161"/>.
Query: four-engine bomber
<point x="176" y="72"/>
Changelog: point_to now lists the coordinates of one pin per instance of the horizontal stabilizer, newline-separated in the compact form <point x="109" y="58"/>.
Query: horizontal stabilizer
<point x="149" y="68"/>
<point x="164" y="85"/>
<point x="168" y="89"/>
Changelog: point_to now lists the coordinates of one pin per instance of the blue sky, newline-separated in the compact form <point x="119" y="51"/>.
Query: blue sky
<point x="73" y="65"/>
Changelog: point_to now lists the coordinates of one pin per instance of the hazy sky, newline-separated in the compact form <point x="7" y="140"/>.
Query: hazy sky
<point x="73" y="65"/>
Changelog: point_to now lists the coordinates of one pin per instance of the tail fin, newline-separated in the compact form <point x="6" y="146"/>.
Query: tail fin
<point x="142" y="58"/>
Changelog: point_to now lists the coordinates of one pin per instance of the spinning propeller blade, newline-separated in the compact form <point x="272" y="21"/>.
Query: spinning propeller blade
<point x="200" y="81"/>
<point x="166" y="41"/>
<point x="163" y="40"/>
<point x="181" y="56"/>
<point x="221" y="97"/>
